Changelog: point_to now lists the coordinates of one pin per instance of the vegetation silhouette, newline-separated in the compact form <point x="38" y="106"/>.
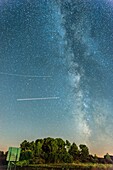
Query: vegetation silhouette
<point x="56" y="152"/>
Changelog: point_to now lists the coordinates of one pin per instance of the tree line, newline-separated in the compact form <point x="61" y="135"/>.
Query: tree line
<point x="50" y="150"/>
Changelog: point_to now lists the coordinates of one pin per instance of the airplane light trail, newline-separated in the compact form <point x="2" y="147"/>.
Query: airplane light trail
<point x="23" y="75"/>
<point x="34" y="99"/>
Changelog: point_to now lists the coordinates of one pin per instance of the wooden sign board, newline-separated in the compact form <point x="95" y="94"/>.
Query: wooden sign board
<point x="13" y="154"/>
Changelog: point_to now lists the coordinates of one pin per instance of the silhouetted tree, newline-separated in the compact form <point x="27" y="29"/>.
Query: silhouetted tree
<point x="74" y="152"/>
<point x="2" y="158"/>
<point x="84" y="153"/>
<point x="25" y="145"/>
<point x="108" y="158"/>
<point x="67" y="145"/>
<point x="50" y="150"/>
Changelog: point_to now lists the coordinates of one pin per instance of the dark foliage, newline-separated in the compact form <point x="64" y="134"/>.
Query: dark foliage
<point x="3" y="158"/>
<point x="50" y="150"/>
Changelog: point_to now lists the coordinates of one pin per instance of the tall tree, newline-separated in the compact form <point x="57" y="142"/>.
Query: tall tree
<point x="50" y="149"/>
<point x="74" y="151"/>
<point x="68" y="145"/>
<point x="25" y="145"/>
<point x="84" y="153"/>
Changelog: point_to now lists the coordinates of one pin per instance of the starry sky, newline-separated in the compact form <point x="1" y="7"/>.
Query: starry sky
<point x="56" y="67"/>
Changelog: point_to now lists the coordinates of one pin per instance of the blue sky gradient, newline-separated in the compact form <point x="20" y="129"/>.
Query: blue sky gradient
<point x="69" y="44"/>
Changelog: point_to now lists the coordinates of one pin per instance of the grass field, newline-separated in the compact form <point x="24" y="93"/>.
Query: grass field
<point x="77" y="166"/>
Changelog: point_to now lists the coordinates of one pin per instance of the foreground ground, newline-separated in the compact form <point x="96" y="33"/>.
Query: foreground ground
<point x="77" y="166"/>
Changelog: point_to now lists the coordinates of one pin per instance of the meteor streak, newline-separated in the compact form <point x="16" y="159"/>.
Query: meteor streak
<point x="42" y="98"/>
<point x="23" y="75"/>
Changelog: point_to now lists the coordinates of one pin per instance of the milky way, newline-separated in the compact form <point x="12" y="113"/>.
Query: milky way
<point x="89" y="36"/>
<point x="56" y="48"/>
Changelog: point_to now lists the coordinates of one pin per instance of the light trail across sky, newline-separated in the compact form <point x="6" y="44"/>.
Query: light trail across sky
<point x="41" y="98"/>
<point x="24" y="75"/>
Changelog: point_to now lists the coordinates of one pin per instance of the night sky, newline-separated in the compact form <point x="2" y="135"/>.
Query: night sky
<point x="56" y="72"/>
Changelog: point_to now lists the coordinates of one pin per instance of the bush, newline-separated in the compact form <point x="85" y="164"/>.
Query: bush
<point x="23" y="163"/>
<point x="38" y="160"/>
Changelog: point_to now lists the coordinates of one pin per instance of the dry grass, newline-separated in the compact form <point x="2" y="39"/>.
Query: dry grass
<point x="77" y="166"/>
